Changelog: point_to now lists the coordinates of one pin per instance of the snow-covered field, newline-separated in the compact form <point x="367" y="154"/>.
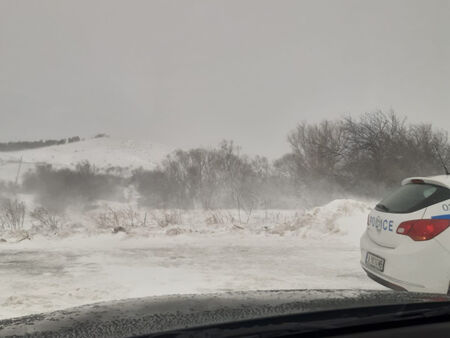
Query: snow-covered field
<point x="316" y="248"/>
<point x="159" y="252"/>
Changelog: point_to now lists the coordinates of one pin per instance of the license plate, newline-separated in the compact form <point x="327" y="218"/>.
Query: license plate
<point x="375" y="261"/>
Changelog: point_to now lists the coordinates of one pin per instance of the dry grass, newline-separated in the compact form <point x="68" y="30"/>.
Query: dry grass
<point x="12" y="215"/>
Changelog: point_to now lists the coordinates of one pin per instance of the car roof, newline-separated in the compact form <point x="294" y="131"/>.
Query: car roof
<point x="442" y="180"/>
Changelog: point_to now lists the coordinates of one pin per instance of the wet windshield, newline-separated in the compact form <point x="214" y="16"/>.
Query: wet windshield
<point x="152" y="148"/>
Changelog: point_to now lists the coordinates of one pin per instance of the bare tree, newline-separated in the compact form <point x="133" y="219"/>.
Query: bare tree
<point x="318" y="150"/>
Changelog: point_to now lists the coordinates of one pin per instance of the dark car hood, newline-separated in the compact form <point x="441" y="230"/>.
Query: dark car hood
<point x="134" y="317"/>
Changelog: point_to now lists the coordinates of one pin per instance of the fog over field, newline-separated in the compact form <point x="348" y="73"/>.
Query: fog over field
<point x="165" y="147"/>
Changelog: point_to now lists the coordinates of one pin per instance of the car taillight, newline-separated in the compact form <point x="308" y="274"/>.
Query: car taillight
<point x="423" y="229"/>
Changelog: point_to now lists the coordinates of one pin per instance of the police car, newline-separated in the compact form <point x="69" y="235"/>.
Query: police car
<point x="406" y="245"/>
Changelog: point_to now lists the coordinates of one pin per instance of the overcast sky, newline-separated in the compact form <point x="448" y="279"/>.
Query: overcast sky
<point x="189" y="73"/>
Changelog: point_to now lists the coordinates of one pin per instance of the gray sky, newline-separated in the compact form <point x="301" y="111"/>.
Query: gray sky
<point x="189" y="73"/>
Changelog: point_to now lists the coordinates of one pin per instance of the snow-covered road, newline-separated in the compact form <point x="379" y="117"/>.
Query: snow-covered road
<point x="45" y="275"/>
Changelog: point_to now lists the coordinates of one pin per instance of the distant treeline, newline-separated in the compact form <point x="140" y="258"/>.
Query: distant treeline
<point x="362" y="157"/>
<point x="366" y="155"/>
<point x="24" y="145"/>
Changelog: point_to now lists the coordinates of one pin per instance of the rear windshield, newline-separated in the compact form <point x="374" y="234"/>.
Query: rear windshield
<point x="412" y="197"/>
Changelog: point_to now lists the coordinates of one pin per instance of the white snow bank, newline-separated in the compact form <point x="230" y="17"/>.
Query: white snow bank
<point x="344" y="218"/>
<point x="338" y="220"/>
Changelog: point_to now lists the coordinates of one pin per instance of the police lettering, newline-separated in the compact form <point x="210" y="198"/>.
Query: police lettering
<point x="377" y="222"/>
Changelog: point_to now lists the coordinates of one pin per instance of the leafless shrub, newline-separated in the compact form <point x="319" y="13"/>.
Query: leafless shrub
<point x="43" y="219"/>
<point x="174" y="232"/>
<point x="12" y="215"/>
<point x="215" y="217"/>
<point x="220" y="217"/>
<point x="120" y="219"/>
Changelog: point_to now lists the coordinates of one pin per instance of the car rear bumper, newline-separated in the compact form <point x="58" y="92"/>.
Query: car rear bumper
<point x="384" y="282"/>
<point x="411" y="266"/>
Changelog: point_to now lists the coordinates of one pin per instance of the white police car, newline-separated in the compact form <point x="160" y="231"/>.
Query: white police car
<point x="406" y="245"/>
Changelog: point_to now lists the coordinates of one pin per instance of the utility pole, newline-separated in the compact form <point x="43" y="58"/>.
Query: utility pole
<point x="18" y="172"/>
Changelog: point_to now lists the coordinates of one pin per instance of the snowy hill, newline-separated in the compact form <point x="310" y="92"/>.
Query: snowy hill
<point x="103" y="152"/>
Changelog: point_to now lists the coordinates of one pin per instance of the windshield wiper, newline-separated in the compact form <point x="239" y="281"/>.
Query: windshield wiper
<point x="382" y="207"/>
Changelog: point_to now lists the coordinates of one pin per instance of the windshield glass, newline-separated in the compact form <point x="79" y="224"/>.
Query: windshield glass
<point x="412" y="197"/>
<point x="176" y="147"/>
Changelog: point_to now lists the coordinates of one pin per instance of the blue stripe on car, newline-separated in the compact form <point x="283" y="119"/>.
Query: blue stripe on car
<point x="441" y="217"/>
